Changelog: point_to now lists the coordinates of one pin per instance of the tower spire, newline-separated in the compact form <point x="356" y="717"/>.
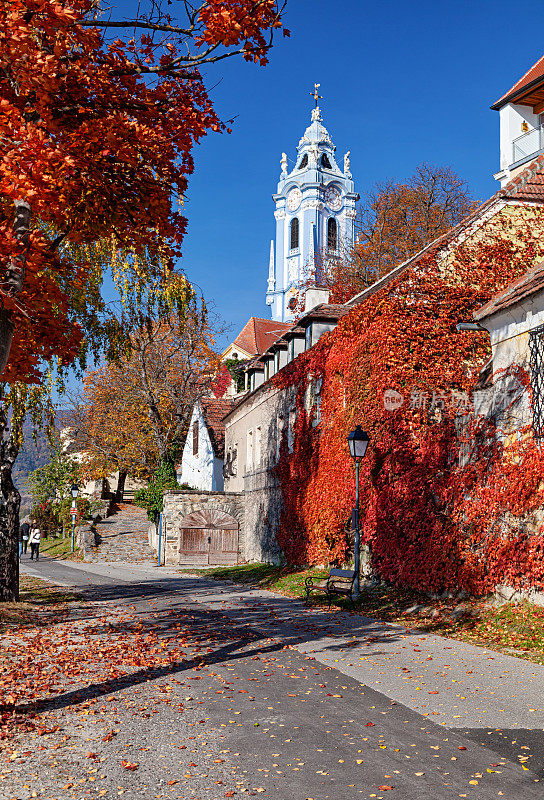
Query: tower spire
<point x="315" y="94"/>
<point x="271" y="269"/>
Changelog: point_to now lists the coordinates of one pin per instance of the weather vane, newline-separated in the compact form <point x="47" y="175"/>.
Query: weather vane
<point x="315" y="94"/>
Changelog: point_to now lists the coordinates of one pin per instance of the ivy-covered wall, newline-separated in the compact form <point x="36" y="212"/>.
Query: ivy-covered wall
<point x="435" y="521"/>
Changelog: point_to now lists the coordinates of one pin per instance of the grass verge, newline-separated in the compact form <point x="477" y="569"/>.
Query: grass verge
<point x="512" y="628"/>
<point x="284" y="580"/>
<point x="53" y="547"/>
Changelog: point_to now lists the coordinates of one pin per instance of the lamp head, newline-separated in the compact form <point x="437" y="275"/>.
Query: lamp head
<point x="358" y="442"/>
<point x="75" y="490"/>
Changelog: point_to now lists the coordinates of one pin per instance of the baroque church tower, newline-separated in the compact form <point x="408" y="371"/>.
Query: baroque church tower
<point x="315" y="217"/>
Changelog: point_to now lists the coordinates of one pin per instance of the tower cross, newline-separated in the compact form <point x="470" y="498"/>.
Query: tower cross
<point x="315" y="94"/>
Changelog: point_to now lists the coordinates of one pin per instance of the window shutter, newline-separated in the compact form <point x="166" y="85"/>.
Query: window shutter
<point x="195" y="438"/>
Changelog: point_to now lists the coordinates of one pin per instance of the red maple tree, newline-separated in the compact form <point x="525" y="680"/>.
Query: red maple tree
<point x="96" y="134"/>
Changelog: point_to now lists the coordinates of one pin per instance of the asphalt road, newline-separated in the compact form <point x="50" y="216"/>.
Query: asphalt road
<point x="267" y="714"/>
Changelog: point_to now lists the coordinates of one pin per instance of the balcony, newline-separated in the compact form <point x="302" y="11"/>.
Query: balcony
<point x="527" y="146"/>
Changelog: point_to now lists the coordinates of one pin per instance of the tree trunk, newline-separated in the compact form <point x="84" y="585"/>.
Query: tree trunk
<point x="15" y="273"/>
<point x="14" y="276"/>
<point x="120" y="486"/>
<point x="9" y="537"/>
<point x="10" y="502"/>
<point x="6" y="336"/>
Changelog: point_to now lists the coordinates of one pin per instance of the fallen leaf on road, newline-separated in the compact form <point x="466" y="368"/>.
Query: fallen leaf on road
<point x="129" y="765"/>
<point x="384" y="788"/>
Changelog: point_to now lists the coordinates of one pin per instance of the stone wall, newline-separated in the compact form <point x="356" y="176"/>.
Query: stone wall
<point x="263" y="508"/>
<point x="178" y="503"/>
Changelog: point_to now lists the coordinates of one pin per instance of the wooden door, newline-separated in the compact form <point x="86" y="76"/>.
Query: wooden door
<point x="193" y="546"/>
<point x="223" y="547"/>
<point x="208" y="537"/>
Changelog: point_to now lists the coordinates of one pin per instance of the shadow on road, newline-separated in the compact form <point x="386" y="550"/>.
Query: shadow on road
<point x="267" y="627"/>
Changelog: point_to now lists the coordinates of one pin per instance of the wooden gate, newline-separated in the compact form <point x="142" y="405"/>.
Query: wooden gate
<point x="208" y="537"/>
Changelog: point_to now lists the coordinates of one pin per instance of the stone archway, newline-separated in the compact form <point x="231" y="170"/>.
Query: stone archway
<point x="208" y="536"/>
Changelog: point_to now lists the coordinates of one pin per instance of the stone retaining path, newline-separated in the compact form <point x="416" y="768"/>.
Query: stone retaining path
<point x="123" y="537"/>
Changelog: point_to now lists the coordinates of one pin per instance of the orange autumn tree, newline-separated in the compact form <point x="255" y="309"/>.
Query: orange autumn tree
<point x="135" y="410"/>
<point x="110" y="429"/>
<point x="97" y="124"/>
<point x="395" y="221"/>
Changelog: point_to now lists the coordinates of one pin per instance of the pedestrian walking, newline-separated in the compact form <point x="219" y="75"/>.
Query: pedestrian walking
<point x="24" y="534"/>
<point x="34" y="540"/>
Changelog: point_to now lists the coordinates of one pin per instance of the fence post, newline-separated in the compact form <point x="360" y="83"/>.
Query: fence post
<point x="159" y="549"/>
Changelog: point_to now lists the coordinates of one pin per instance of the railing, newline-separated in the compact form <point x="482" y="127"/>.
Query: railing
<point x="527" y="144"/>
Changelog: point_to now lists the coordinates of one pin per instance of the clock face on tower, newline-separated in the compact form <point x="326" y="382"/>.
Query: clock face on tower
<point x="293" y="199"/>
<point x="333" y="198"/>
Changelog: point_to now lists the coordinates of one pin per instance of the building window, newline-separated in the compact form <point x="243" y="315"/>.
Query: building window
<point x="332" y="234"/>
<point x="249" y="460"/>
<point x="229" y="467"/>
<point x="293" y="234"/>
<point x="291" y="430"/>
<point x="195" y="438"/>
<point x="258" y="444"/>
<point x="304" y="162"/>
<point x="313" y="401"/>
<point x="308" y="337"/>
<point x="536" y="346"/>
<point x="290" y="350"/>
<point x="325" y="162"/>
<point x="280" y="425"/>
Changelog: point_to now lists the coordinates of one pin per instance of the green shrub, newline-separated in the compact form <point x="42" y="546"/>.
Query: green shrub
<point x="151" y="498"/>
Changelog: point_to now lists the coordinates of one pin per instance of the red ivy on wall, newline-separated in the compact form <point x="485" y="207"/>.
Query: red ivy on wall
<point x="434" y="521"/>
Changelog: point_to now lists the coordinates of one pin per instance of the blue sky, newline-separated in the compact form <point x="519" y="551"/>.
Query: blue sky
<point x="402" y="82"/>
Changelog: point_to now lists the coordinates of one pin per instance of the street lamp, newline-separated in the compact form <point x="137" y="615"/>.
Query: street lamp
<point x="358" y="442"/>
<point x="73" y="512"/>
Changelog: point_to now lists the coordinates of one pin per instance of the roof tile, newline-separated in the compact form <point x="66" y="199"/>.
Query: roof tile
<point x="214" y="412"/>
<point x="258" y="334"/>
<point x="532" y="74"/>
<point x="515" y="292"/>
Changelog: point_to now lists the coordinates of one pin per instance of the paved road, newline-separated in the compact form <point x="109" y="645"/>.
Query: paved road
<point x="311" y="705"/>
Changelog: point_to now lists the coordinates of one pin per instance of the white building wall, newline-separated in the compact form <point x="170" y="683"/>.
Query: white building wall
<point x="201" y="471"/>
<point x="509" y="331"/>
<point x="512" y="118"/>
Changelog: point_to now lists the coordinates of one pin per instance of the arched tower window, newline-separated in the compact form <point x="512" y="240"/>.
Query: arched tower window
<point x="304" y="162"/>
<point x="293" y="234"/>
<point x="325" y="161"/>
<point x="332" y="234"/>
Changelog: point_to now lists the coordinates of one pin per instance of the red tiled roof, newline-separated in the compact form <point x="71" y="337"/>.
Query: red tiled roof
<point x="528" y="284"/>
<point x="214" y="412"/>
<point x="531" y="76"/>
<point x="258" y="334"/>
<point x="329" y="311"/>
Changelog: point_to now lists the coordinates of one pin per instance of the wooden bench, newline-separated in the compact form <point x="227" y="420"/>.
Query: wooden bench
<point x="338" y="583"/>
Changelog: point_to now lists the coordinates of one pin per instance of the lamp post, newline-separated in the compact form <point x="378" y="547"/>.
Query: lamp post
<point x="73" y="512"/>
<point x="358" y="442"/>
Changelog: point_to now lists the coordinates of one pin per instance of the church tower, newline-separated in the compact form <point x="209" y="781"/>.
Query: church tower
<point x="315" y="217"/>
